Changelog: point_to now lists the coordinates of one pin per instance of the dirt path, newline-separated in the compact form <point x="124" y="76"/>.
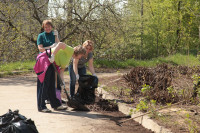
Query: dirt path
<point x="20" y="93"/>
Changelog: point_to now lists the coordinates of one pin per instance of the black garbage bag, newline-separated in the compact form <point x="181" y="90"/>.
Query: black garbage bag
<point x="86" y="89"/>
<point x="85" y="94"/>
<point x="13" y="122"/>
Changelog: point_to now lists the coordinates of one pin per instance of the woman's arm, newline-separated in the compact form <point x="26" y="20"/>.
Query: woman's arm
<point x="62" y="74"/>
<point x="56" y="36"/>
<point x="75" y="66"/>
<point x="40" y="47"/>
<point x="91" y="67"/>
<point x="57" y="39"/>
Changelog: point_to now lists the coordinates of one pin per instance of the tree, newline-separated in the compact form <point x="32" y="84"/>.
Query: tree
<point x="76" y="21"/>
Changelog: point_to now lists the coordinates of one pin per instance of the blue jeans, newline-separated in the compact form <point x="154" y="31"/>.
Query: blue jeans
<point x="72" y="82"/>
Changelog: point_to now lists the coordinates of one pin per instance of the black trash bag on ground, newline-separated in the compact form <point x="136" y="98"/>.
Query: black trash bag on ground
<point x="86" y="92"/>
<point x="13" y="122"/>
<point x="86" y="89"/>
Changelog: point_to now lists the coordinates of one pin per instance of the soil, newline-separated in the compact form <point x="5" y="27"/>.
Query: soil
<point x="184" y="117"/>
<point x="107" y="109"/>
<point x="128" y="127"/>
<point x="110" y="110"/>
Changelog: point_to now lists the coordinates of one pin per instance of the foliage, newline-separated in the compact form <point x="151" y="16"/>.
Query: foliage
<point x="169" y="26"/>
<point x="142" y="105"/>
<point x="121" y="29"/>
<point x="145" y="88"/>
<point x="75" y="20"/>
<point x="196" y="81"/>
<point x="192" y="126"/>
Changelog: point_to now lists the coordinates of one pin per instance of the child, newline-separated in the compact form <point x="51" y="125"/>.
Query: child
<point x="46" y="81"/>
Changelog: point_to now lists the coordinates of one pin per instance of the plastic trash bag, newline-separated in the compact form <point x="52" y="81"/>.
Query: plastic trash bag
<point x="13" y="122"/>
<point x="86" y="89"/>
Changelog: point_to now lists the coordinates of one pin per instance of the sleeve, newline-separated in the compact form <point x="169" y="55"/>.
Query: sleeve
<point x="90" y="55"/>
<point x="39" y="40"/>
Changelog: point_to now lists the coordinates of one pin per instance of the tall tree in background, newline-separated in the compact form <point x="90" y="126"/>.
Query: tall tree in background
<point x="19" y="21"/>
<point x="76" y="21"/>
<point x="169" y="26"/>
<point x="142" y="27"/>
<point x="121" y="29"/>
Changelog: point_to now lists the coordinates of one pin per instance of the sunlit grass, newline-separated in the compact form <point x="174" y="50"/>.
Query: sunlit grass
<point x="17" y="66"/>
<point x="177" y="59"/>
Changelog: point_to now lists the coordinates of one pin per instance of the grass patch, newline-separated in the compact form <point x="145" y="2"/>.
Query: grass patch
<point x="17" y="66"/>
<point x="177" y="59"/>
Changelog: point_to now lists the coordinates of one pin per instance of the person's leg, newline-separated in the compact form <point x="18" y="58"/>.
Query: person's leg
<point x="41" y="95"/>
<point x="59" y="46"/>
<point x="50" y="85"/>
<point x="72" y="80"/>
<point x="62" y="70"/>
<point x="82" y="71"/>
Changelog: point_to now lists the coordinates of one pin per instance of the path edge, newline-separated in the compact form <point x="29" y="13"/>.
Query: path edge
<point x="145" y="120"/>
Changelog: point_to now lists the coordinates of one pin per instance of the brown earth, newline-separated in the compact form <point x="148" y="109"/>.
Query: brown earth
<point x="67" y="118"/>
<point x="184" y="117"/>
<point x="110" y="110"/>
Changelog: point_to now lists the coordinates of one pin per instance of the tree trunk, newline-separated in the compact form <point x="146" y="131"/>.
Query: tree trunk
<point x="142" y="30"/>
<point x="199" y="42"/>
<point x="178" y="29"/>
<point x="69" y="11"/>
<point x="157" y="36"/>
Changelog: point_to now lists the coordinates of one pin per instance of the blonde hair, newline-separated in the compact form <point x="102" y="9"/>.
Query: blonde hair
<point x="47" y="22"/>
<point x="79" y="50"/>
<point x="88" y="43"/>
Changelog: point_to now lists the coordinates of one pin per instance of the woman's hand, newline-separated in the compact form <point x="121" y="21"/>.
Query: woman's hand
<point x="55" y="33"/>
<point x="77" y="76"/>
<point x="40" y="47"/>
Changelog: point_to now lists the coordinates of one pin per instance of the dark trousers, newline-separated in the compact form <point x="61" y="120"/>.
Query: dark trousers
<point x="47" y="90"/>
<point x="72" y="82"/>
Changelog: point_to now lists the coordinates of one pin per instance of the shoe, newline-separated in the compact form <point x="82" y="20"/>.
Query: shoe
<point x="61" y="107"/>
<point x="63" y="101"/>
<point x="47" y="101"/>
<point x="45" y="110"/>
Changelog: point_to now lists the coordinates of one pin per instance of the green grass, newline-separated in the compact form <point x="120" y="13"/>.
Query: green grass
<point x="17" y="66"/>
<point x="177" y="59"/>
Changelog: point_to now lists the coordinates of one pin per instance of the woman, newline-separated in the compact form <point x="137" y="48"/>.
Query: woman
<point x="77" y="66"/>
<point x="63" y="56"/>
<point x="46" y="82"/>
<point x="49" y="38"/>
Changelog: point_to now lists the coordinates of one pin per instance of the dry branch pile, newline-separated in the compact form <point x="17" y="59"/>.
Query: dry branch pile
<point x="159" y="79"/>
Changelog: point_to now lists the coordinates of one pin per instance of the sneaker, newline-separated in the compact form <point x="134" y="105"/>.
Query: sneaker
<point x="63" y="101"/>
<point x="47" y="101"/>
<point x="61" y="107"/>
<point x="45" y="110"/>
